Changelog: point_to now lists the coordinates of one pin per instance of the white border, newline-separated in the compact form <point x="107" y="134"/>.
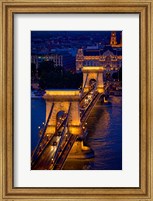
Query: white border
<point x="129" y="176"/>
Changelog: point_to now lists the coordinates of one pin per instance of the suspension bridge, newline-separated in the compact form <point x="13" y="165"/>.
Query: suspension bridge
<point x="66" y="114"/>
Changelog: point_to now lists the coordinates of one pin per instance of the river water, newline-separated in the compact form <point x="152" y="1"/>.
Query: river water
<point x="104" y="127"/>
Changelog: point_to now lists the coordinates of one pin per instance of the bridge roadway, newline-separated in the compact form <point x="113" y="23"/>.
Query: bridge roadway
<point x="62" y="155"/>
<point x="84" y="115"/>
<point x="59" y="163"/>
<point x="46" y="158"/>
<point x="89" y="108"/>
<point x="51" y="147"/>
<point x="52" y="153"/>
<point x="56" y="149"/>
<point x="44" y="142"/>
<point x="85" y="95"/>
<point x="49" y="154"/>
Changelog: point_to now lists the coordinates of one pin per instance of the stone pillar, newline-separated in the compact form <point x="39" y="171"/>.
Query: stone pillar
<point x="100" y="84"/>
<point x="85" y="82"/>
<point x="51" y="127"/>
<point x="92" y="72"/>
<point x="74" y="124"/>
<point x="79" y="151"/>
<point x="62" y="100"/>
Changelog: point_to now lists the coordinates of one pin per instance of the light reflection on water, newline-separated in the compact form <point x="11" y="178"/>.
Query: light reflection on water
<point x="38" y="114"/>
<point x="104" y="135"/>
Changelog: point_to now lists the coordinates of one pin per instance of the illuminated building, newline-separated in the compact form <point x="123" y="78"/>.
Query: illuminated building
<point x="110" y="57"/>
<point x="113" y="40"/>
<point x="56" y="58"/>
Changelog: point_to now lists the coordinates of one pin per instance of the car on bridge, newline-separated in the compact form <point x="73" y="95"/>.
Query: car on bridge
<point x="54" y="143"/>
<point x="59" y="133"/>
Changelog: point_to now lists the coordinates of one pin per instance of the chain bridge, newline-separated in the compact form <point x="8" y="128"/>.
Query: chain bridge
<point x="65" y="128"/>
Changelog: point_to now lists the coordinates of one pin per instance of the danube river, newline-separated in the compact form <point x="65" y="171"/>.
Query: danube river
<point x="104" y="127"/>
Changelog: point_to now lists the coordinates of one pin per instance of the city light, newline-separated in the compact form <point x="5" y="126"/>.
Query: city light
<point x="74" y="93"/>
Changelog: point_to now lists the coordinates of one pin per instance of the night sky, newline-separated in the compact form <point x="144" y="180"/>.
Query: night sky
<point x="79" y="37"/>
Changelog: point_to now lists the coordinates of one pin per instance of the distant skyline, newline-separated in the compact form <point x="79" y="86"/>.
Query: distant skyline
<point x="79" y="76"/>
<point x="64" y="45"/>
<point x="69" y="39"/>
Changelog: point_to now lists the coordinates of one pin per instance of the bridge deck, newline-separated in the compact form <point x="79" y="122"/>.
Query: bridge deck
<point x="63" y="155"/>
<point x="54" y="157"/>
<point x="86" y="114"/>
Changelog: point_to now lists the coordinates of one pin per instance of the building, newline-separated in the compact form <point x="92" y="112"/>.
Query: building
<point x="110" y="56"/>
<point x="113" y="40"/>
<point x="68" y="60"/>
<point x="56" y="58"/>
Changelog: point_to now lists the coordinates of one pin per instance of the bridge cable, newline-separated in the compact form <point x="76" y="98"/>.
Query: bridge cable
<point x="51" y="139"/>
<point x="46" y="125"/>
<point x="84" y="84"/>
<point x="65" y="125"/>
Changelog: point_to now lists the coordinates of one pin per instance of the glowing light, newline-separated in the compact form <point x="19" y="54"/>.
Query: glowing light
<point x="93" y="68"/>
<point x="62" y="92"/>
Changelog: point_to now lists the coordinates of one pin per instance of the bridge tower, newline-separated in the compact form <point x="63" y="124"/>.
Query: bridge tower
<point x="93" y="73"/>
<point x="61" y="100"/>
<point x="67" y="101"/>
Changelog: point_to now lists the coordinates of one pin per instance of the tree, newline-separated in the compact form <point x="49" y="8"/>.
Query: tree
<point x="51" y="76"/>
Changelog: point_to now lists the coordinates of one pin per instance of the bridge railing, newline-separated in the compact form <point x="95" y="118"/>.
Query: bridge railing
<point x="85" y="94"/>
<point x="65" y="122"/>
<point x="89" y="109"/>
<point x="63" y="132"/>
<point x="90" y="103"/>
<point x="93" y="90"/>
<point x="63" y="156"/>
<point x="84" y="85"/>
<point x="46" y="144"/>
